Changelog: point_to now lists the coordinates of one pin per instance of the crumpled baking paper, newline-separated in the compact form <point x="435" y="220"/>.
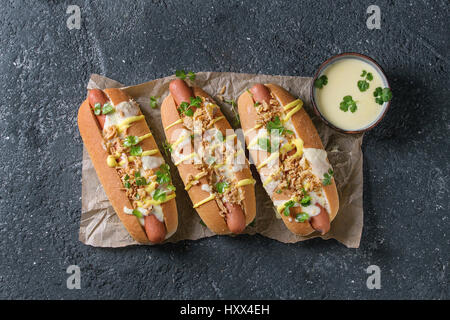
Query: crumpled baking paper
<point x="101" y="227"/>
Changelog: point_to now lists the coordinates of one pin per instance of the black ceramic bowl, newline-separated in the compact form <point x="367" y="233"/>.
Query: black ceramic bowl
<point x="351" y="55"/>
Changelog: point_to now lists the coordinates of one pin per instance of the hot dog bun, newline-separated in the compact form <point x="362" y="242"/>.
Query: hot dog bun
<point x="237" y="216"/>
<point x="94" y="132"/>
<point x="305" y="135"/>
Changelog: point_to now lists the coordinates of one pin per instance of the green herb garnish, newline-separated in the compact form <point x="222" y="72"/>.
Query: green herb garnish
<point x="171" y="187"/>
<point x="363" y="85"/>
<point x="279" y="191"/>
<point x="127" y="185"/>
<point x="136" y="150"/>
<point x="130" y="141"/>
<point x="264" y="143"/>
<point x="301" y="217"/>
<point x="221" y="186"/>
<point x="382" y="95"/>
<point x="277" y="127"/>
<point x="163" y="174"/>
<point x="154" y="102"/>
<point x="321" y="81"/>
<point x="287" y="206"/>
<point x="219" y="136"/>
<point x="97" y="109"/>
<point x="107" y="108"/>
<point x="210" y="160"/>
<point x="306" y="201"/>
<point x="182" y="74"/>
<point x="167" y="148"/>
<point x="185" y="108"/>
<point x="159" y="195"/>
<point x="347" y="103"/>
<point x="237" y="119"/>
<point x="196" y="102"/>
<point x="327" y="177"/>
<point x="202" y="223"/>
<point x="137" y="213"/>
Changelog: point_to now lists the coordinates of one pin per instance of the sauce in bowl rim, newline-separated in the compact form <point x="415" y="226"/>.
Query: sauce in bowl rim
<point x="350" y="55"/>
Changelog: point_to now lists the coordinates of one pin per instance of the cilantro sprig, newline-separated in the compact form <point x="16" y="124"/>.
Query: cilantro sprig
<point x="154" y="102"/>
<point x="163" y="174"/>
<point x="287" y="207"/>
<point x="140" y="181"/>
<point x="346" y="103"/>
<point x="159" y="195"/>
<point x="321" y="81"/>
<point x="363" y="84"/>
<point x="382" y="95"/>
<point x="277" y="127"/>
<point x="130" y="141"/>
<point x="105" y="109"/>
<point x="301" y="217"/>
<point x="182" y="74"/>
<point x="327" y="177"/>
<point x="186" y="108"/>
<point x="237" y="119"/>
<point x="136" y="150"/>
<point x="167" y="148"/>
<point x="222" y="186"/>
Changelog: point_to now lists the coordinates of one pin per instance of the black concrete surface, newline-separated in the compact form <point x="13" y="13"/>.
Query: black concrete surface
<point x="44" y="69"/>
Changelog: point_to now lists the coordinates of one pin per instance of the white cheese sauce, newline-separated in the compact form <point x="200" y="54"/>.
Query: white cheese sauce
<point x="151" y="162"/>
<point x="127" y="108"/>
<point x="318" y="160"/>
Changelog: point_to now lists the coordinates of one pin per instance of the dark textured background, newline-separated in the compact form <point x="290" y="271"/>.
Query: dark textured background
<point x="44" y="69"/>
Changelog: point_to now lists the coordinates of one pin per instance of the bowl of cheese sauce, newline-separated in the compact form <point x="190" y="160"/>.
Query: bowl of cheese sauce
<point x="350" y="92"/>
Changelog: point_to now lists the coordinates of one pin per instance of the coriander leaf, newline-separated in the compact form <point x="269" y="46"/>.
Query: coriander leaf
<point x="306" y="201"/>
<point x="343" y="106"/>
<point x="153" y="102"/>
<point x="363" y="85"/>
<point x="136" y="150"/>
<point x="126" y="177"/>
<point x="107" y="108"/>
<point x="382" y="95"/>
<point x="180" y="74"/>
<point x="348" y="103"/>
<point x="163" y="174"/>
<point x="353" y="107"/>
<point x="191" y="75"/>
<point x="327" y="177"/>
<point x="97" y="109"/>
<point x="287" y="206"/>
<point x="363" y="74"/>
<point x="195" y="102"/>
<point x="321" y="81"/>
<point x="386" y="94"/>
<point x="137" y="213"/>
<point x="130" y="141"/>
<point x="221" y="186"/>
<point x="301" y="217"/>
<point x="279" y="191"/>
<point x="171" y="187"/>
<point x="369" y="76"/>
<point x="185" y="108"/>
<point x="159" y="195"/>
<point x="167" y="148"/>
<point x="127" y="185"/>
<point x="141" y="181"/>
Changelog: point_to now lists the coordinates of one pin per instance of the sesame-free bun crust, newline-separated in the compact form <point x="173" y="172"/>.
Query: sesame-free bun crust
<point x="208" y="212"/>
<point x="112" y="184"/>
<point x="311" y="139"/>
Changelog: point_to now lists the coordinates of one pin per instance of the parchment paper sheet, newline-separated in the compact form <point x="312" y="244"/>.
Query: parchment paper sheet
<point x="101" y="227"/>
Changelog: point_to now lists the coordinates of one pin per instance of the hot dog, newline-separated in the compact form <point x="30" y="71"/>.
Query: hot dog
<point x="210" y="159"/>
<point x="290" y="158"/>
<point x="129" y="164"/>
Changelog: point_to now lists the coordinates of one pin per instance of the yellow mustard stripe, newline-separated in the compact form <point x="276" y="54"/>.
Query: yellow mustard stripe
<point x="158" y="202"/>
<point x="173" y="124"/>
<point x="149" y="152"/>
<point x="126" y="123"/>
<point x="145" y="136"/>
<point x="299" y="146"/>
<point x="196" y="178"/>
<point x="291" y="113"/>
<point x="265" y="162"/>
<point x="254" y="128"/>
<point x="245" y="182"/>
<point x="179" y="140"/>
<point x="216" y="120"/>
<point x="292" y="104"/>
<point x="192" y="155"/>
<point x="281" y="207"/>
<point x="198" y="204"/>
